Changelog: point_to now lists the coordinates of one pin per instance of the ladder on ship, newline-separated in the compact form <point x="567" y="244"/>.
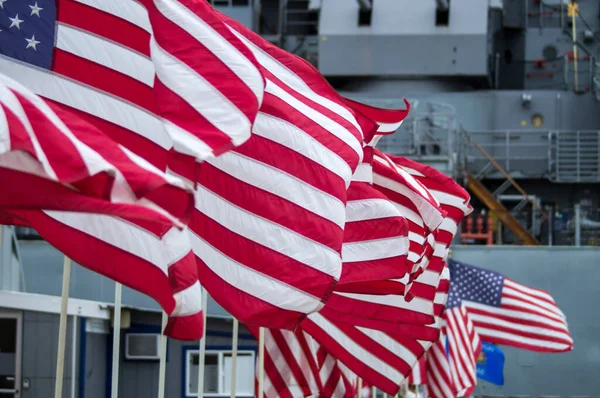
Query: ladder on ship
<point x="490" y="200"/>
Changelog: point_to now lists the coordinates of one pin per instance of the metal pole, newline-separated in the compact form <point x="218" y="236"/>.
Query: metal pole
<point x="261" y="362"/>
<point x="566" y="71"/>
<point x="62" y="328"/>
<point x="574" y="30"/>
<point x="162" y="366"/>
<point x="234" y="355"/>
<point x="74" y="355"/>
<point x="577" y="225"/>
<point x="114" y="391"/>
<point x="497" y="71"/>
<point x="373" y="392"/>
<point x="202" y="347"/>
<point x="359" y="387"/>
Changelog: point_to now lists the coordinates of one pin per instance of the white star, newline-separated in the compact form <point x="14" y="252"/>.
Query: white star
<point x="35" y="9"/>
<point x="2" y="3"/>
<point x="15" y="22"/>
<point x="32" y="43"/>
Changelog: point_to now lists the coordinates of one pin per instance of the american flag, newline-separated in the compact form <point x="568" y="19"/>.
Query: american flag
<point x="165" y="79"/>
<point x="53" y="160"/>
<point x="268" y="232"/>
<point x="484" y="305"/>
<point x="506" y="312"/>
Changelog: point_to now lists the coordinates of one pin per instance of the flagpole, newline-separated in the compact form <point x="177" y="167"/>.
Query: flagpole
<point x="202" y="347"/>
<point x="261" y="361"/>
<point x="234" y="354"/>
<point x="162" y="365"/>
<point x="62" y="328"/>
<point x="373" y="392"/>
<point x="359" y="387"/>
<point x="116" y="344"/>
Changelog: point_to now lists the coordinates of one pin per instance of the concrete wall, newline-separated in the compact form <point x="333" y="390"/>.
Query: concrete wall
<point x="572" y="276"/>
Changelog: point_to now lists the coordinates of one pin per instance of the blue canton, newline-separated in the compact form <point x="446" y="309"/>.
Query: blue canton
<point x="27" y="29"/>
<point x="471" y="283"/>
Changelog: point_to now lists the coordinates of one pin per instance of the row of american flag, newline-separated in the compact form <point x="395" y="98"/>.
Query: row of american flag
<point x="170" y="148"/>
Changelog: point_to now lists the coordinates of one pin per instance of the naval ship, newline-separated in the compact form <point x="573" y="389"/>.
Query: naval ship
<point x="504" y="97"/>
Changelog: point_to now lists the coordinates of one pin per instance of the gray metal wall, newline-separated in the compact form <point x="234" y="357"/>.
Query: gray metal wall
<point x="572" y="276"/>
<point x="40" y="339"/>
<point x="403" y="39"/>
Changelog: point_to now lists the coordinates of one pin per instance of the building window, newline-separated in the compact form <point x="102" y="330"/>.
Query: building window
<point x="217" y="373"/>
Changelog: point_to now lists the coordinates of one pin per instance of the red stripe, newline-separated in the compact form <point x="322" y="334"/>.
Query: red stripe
<point x="261" y="259"/>
<point x="280" y="109"/>
<point x="262" y="203"/>
<point x="290" y="360"/>
<point x="182" y="45"/>
<point x="297" y="165"/>
<point x="101" y="257"/>
<point x="361" y="272"/>
<point x="376" y="229"/>
<point x="357" y="366"/>
<point x="60" y="152"/>
<point x="136" y="143"/>
<point x="104" y="25"/>
<point x="247" y="308"/>
<point x="104" y="79"/>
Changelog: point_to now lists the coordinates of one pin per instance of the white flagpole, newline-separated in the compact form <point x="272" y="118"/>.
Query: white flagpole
<point x="261" y="362"/>
<point x="62" y="329"/>
<point x="373" y="392"/>
<point x="162" y="366"/>
<point x="116" y="345"/>
<point x="202" y="347"/>
<point x="74" y="356"/>
<point x="359" y="387"/>
<point x="234" y="353"/>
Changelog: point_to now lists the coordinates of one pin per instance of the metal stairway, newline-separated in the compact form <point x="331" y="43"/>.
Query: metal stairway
<point x="490" y="200"/>
<point x="575" y="156"/>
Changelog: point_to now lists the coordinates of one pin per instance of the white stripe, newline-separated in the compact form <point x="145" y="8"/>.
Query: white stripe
<point x="409" y="214"/>
<point x="299" y="356"/>
<point x="357" y="351"/>
<point x="545" y="298"/>
<point x="527" y="306"/>
<point x="91" y="101"/>
<point x="215" y="43"/>
<point x="290" y="136"/>
<point x="325" y="122"/>
<point x="295" y="82"/>
<point x="370" y="209"/>
<point x="518" y="328"/>
<point x="449" y="225"/>
<point x="106" y="53"/>
<point x="188" y="301"/>
<point x="417" y="304"/>
<point x="368" y="250"/>
<point x="363" y="173"/>
<point x="187" y="143"/>
<point x="388" y="127"/>
<point x="452" y="200"/>
<point x="200" y="95"/>
<point x="527" y="316"/>
<point x="10" y="101"/>
<point x="520" y="339"/>
<point x="413" y="172"/>
<point x="390" y="344"/>
<point x="129" y="10"/>
<point x="252" y="282"/>
<point x="406" y="176"/>
<point x="531" y="300"/>
<point x="414" y="237"/>
<point x="268" y="233"/>
<point x="282" y="184"/>
<point x="123" y="235"/>
<point x="430" y="215"/>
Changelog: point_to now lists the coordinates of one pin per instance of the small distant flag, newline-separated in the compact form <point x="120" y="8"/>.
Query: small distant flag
<point x="490" y="364"/>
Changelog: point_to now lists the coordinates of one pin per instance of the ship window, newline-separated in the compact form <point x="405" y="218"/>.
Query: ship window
<point x="537" y="120"/>
<point x="364" y="16"/>
<point x="550" y="53"/>
<point x="442" y="14"/>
